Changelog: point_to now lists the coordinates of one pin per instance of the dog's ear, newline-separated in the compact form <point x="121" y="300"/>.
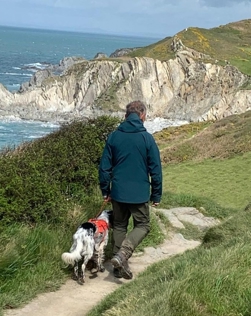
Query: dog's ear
<point x="88" y="226"/>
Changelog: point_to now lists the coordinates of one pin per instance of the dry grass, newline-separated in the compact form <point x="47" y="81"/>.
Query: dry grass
<point x="195" y="142"/>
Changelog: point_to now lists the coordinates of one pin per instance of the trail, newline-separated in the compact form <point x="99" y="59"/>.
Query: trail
<point x="73" y="299"/>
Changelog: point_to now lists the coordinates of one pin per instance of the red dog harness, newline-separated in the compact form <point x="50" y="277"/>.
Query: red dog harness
<point x="101" y="227"/>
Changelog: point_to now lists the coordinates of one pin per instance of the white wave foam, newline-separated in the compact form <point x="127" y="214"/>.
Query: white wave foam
<point x="50" y="125"/>
<point x="14" y="85"/>
<point x="33" y="64"/>
<point x="159" y="123"/>
<point x="15" y="74"/>
<point x="36" y="65"/>
<point x="35" y="136"/>
<point x="10" y="118"/>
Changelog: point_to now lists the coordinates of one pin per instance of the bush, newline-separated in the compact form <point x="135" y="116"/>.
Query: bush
<point x="41" y="180"/>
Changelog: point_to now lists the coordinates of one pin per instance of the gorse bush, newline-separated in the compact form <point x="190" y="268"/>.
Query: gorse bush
<point x="41" y="180"/>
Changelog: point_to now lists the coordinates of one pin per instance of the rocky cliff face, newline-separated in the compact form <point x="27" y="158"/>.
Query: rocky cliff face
<point x="182" y="88"/>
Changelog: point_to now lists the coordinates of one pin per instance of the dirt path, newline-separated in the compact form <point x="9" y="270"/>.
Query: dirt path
<point x="75" y="300"/>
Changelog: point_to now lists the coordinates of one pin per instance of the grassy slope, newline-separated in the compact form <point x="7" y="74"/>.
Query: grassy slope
<point x="215" y="160"/>
<point x="231" y="42"/>
<point x="19" y="259"/>
<point x="215" y="278"/>
<point x="226" y="182"/>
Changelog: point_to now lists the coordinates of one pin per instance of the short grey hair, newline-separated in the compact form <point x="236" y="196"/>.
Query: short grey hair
<point x="137" y="107"/>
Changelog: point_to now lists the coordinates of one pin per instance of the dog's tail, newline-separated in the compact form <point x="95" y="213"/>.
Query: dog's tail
<point x="71" y="257"/>
<point x="75" y="252"/>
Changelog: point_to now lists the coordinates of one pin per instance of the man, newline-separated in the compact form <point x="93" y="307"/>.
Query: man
<point x="130" y="175"/>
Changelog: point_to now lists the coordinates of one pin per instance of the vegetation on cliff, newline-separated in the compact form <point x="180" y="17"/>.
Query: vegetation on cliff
<point x="224" y="44"/>
<point x="40" y="181"/>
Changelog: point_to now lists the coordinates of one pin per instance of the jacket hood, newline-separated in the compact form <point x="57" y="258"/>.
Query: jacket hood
<point x="132" y="124"/>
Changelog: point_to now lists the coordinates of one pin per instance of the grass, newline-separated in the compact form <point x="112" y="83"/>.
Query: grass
<point x="30" y="259"/>
<point x="29" y="262"/>
<point x="204" y="281"/>
<point x="226" y="138"/>
<point x="213" y="279"/>
<point x="226" y="182"/>
<point x="210" y="280"/>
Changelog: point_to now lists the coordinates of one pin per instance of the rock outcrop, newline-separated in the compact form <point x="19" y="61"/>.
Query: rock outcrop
<point x="100" y="56"/>
<point x="122" y="52"/>
<point x="182" y="88"/>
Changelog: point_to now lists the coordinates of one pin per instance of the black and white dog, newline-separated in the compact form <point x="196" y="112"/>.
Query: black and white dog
<point x="89" y="242"/>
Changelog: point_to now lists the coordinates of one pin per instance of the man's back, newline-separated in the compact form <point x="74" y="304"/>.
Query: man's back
<point x="131" y="154"/>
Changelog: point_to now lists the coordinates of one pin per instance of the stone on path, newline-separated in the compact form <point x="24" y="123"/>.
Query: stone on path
<point x="190" y="215"/>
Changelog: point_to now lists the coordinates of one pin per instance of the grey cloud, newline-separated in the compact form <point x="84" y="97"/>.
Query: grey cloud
<point x="223" y="3"/>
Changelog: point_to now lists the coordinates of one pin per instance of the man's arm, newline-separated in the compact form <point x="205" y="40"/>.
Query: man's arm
<point x="155" y="171"/>
<point x="105" y="171"/>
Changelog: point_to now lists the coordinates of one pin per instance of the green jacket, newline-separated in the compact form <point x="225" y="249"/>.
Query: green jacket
<point x="130" y="168"/>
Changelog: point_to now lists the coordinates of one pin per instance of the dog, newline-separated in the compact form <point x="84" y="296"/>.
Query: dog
<point x="89" y="242"/>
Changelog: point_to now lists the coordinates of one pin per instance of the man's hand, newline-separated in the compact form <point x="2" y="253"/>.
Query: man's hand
<point x="155" y="204"/>
<point x="107" y="198"/>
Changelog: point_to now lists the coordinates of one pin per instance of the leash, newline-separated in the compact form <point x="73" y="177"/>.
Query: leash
<point x="102" y="208"/>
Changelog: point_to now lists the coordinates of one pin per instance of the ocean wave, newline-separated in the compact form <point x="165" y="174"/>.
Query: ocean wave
<point x="159" y="123"/>
<point x="37" y="136"/>
<point x="9" y="119"/>
<point x="50" y="124"/>
<point x="16" y="74"/>
<point x="14" y="131"/>
<point x="41" y="124"/>
<point x="14" y="85"/>
<point x="36" y="66"/>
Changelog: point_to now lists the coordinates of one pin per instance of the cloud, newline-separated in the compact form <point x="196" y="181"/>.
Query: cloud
<point x="223" y="3"/>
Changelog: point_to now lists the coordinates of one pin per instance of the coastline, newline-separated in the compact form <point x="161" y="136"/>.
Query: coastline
<point x="15" y="131"/>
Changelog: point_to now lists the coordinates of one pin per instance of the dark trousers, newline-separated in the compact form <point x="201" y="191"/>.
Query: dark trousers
<point x="141" y="226"/>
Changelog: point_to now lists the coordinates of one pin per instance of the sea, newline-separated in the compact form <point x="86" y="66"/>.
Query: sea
<point x="23" y="51"/>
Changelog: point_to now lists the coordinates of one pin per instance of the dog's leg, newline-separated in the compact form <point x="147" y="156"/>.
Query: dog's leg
<point x="81" y="270"/>
<point x="81" y="278"/>
<point x="95" y="261"/>
<point x="75" y="272"/>
<point x="101" y="256"/>
<point x="102" y="252"/>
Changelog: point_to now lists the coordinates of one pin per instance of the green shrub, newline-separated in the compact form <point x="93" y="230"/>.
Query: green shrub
<point x="41" y="180"/>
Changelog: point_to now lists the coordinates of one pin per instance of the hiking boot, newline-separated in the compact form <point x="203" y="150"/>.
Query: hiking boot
<point x="119" y="261"/>
<point x="117" y="273"/>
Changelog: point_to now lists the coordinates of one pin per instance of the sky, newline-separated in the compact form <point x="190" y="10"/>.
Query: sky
<point x="147" y="18"/>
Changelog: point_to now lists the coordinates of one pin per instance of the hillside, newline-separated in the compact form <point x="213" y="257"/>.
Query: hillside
<point x="51" y="184"/>
<point x="225" y="138"/>
<point x="230" y="43"/>
<point x="209" y="159"/>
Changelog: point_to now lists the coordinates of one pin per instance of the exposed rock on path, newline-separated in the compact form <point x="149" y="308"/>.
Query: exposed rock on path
<point x="75" y="300"/>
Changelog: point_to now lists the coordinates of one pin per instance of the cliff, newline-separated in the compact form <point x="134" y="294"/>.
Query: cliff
<point x="184" y="87"/>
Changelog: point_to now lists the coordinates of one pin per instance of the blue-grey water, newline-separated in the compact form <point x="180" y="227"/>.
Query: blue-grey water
<point x="23" y="51"/>
<point x="13" y="132"/>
